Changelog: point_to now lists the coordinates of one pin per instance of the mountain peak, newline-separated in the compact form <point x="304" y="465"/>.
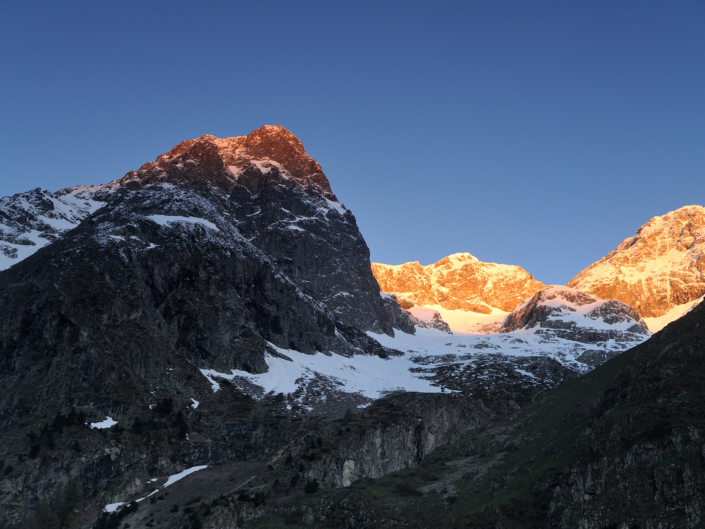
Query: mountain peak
<point x="273" y="137"/>
<point x="220" y="161"/>
<point x="459" y="282"/>
<point x="462" y="257"/>
<point x="276" y="143"/>
<point x="657" y="269"/>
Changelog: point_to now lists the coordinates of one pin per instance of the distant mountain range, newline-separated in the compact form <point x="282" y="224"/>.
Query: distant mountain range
<point x="659" y="271"/>
<point x="459" y="282"/>
<point x="204" y="341"/>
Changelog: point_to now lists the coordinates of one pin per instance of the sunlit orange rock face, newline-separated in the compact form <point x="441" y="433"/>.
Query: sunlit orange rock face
<point x="220" y="161"/>
<point x="458" y="282"/>
<point x="660" y="267"/>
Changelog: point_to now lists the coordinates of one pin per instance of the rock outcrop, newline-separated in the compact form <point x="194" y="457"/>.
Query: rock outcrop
<point x="658" y="268"/>
<point x="459" y="282"/>
<point x="422" y="317"/>
<point x="574" y="315"/>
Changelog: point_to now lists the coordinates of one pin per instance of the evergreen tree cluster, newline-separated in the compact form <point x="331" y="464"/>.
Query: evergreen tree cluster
<point x="5" y="470"/>
<point x="47" y="434"/>
<point x="165" y="409"/>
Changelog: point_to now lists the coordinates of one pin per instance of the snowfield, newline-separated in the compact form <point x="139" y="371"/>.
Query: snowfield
<point x="368" y="376"/>
<point x="464" y="322"/>
<point x="423" y="356"/>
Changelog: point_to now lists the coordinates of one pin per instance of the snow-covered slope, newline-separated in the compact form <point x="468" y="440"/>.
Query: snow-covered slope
<point x="558" y="326"/>
<point x="31" y="220"/>
<point x="657" y="270"/>
<point x="464" y="322"/>
<point x="658" y="323"/>
<point x="458" y="282"/>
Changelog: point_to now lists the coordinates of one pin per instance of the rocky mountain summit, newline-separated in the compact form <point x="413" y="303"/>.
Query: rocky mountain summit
<point x="657" y="269"/>
<point x="222" y="162"/>
<point x="459" y="282"/>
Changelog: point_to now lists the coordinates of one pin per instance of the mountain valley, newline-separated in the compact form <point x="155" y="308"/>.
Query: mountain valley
<point x="205" y="343"/>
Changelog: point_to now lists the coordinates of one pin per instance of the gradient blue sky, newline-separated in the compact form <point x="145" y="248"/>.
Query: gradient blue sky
<point x="531" y="133"/>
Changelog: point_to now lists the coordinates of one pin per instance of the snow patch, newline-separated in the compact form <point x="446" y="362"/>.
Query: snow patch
<point x="368" y="376"/>
<point x="171" y="480"/>
<point x="337" y="206"/>
<point x="150" y="494"/>
<point x="525" y="373"/>
<point x="165" y="220"/>
<point x="107" y="423"/>
<point x="209" y="374"/>
<point x="181" y="475"/>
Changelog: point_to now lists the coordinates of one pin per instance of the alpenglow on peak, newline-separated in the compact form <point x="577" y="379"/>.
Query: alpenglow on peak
<point x="219" y="161"/>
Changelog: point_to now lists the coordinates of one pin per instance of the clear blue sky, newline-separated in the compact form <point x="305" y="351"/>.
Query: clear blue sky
<point x="531" y="133"/>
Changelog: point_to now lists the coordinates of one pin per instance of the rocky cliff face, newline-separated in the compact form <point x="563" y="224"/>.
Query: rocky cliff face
<point x="398" y="433"/>
<point x="655" y="270"/>
<point x="459" y="282"/>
